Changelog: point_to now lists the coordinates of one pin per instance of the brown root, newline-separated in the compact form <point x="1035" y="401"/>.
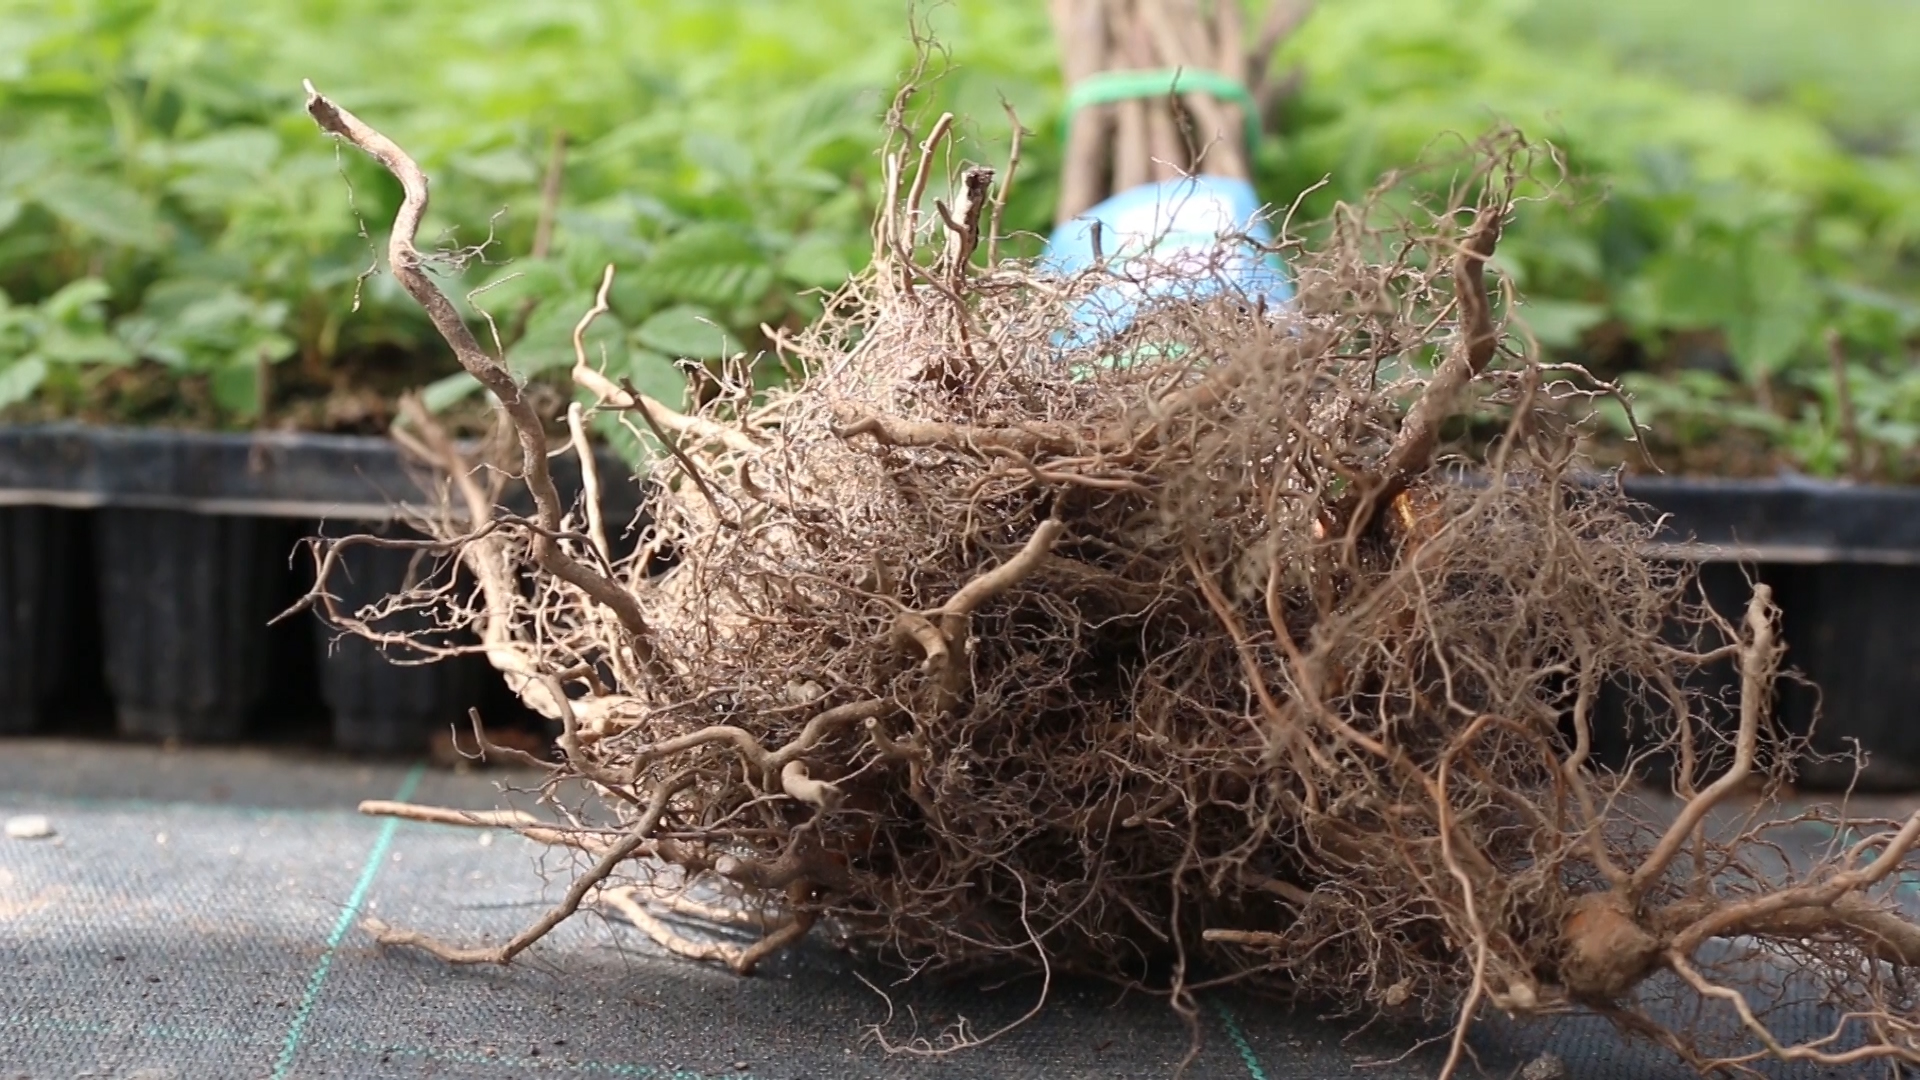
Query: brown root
<point x="1183" y="660"/>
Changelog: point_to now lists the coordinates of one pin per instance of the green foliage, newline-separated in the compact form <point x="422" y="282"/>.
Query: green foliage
<point x="55" y="339"/>
<point x="1711" y="240"/>
<point x="1847" y="62"/>
<point x="720" y="153"/>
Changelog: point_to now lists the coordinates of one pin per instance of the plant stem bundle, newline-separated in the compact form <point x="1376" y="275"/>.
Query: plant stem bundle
<point x="1164" y="127"/>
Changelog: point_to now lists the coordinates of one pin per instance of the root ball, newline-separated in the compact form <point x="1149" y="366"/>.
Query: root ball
<point x="1181" y="660"/>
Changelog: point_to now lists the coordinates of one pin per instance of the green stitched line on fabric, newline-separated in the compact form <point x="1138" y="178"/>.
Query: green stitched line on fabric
<point x="283" y="1067"/>
<point x="1109" y="87"/>
<point x="1240" y="1042"/>
<point x="1905" y="881"/>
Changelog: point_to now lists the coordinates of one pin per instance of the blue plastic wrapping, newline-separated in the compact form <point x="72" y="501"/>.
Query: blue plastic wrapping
<point x="1187" y="238"/>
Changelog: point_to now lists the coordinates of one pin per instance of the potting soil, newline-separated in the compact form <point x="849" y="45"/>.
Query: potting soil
<point x="196" y="914"/>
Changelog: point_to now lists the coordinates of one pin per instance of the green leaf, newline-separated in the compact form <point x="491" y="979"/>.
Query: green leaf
<point x="637" y="448"/>
<point x="818" y="115"/>
<point x="236" y="389"/>
<point x="548" y="342"/>
<point x="23" y="160"/>
<point x="817" y="261"/>
<point x="77" y="299"/>
<point x="714" y="264"/>
<point x="1559" y="323"/>
<point x="102" y="209"/>
<point x="1781" y="313"/>
<point x="246" y="150"/>
<point x="504" y="167"/>
<point x="62" y="345"/>
<point x="687" y="331"/>
<point x="20" y="379"/>
<point x="731" y="162"/>
<point x="1686" y="290"/>
<point x="656" y="376"/>
<point x="206" y="326"/>
<point x="514" y="285"/>
<point x="443" y="392"/>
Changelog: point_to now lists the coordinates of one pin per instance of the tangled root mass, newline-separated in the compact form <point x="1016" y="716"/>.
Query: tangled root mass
<point x="1184" y="660"/>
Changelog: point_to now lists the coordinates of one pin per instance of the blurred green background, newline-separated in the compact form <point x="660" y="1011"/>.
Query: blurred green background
<point x="178" y="244"/>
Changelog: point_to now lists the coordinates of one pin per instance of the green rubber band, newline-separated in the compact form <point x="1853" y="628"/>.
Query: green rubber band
<point x="1111" y="87"/>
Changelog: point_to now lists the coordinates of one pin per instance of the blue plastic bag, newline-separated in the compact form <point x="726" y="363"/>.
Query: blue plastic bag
<point x="1185" y="238"/>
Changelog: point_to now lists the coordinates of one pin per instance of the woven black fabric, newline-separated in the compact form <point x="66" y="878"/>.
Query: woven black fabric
<point x="219" y="952"/>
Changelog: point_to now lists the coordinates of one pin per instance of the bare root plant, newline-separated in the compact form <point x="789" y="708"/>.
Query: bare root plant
<point x="1182" y="661"/>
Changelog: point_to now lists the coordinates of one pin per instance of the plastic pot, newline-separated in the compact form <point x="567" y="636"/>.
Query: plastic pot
<point x="1844" y="564"/>
<point x="1849" y="627"/>
<point x="384" y="699"/>
<point x="36" y="623"/>
<point x="1626" y="717"/>
<point x="184" y="604"/>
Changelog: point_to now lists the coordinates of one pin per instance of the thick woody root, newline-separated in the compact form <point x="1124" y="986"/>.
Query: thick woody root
<point x="1183" y="661"/>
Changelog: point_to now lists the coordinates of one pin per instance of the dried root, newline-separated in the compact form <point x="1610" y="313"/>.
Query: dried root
<point x="1182" y="662"/>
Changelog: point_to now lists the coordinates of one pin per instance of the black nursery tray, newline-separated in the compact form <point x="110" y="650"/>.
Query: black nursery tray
<point x="1787" y="520"/>
<point x="256" y="474"/>
<point x="1844" y="564"/>
<point x="191" y="537"/>
<point x="36" y="548"/>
